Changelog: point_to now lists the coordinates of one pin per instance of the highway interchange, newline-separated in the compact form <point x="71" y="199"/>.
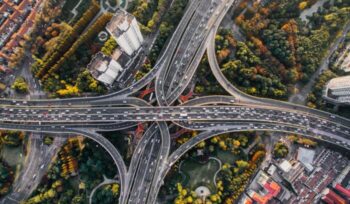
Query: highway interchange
<point x="173" y="72"/>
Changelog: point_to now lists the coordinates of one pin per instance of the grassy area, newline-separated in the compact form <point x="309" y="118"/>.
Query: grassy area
<point x="113" y="3"/>
<point x="344" y="111"/>
<point x="67" y="8"/>
<point x="82" y="8"/>
<point x="122" y="3"/>
<point x="12" y="154"/>
<point x="74" y="183"/>
<point x="120" y="141"/>
<point x="67" y="15"/>
<point x="200" y="174"/>
<point x="226" y="157"/>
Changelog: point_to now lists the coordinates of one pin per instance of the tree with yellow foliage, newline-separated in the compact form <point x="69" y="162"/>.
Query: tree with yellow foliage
<point x="214" y="140"/>
<point x="115" y="189"/>
<point x="68" y="91"/>
<point x="201" y="145"/>
<point x="302" y="5"/>
<point x="223" y="145"/>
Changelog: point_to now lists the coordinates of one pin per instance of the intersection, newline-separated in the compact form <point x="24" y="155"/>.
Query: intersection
<point x="173" y="72"/>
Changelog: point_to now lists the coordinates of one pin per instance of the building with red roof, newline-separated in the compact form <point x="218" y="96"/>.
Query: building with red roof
<point x="271" y="189"/>
<point x="332" y="197"/>
<point x="342" y="190"/>
<point x="16" y="20"/>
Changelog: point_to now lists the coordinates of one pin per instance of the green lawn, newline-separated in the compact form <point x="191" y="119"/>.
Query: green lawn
<point x="113" y="3"/>
<point x="67" y="15"/>
<point x="12" y="155"/>
<point x="67" y="8"/>
<point x="122" y="3"/>
<point x="228" y="157"/>
<point x="200" y="174"/>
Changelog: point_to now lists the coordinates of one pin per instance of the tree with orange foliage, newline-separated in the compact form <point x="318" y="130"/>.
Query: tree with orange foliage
<point x="258" y="155"/>
<point x="259" y="44"/>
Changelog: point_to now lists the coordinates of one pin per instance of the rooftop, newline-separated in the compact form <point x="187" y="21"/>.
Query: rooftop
<point x="104" y="69"/>
<point x="120" y="22"/>
<point x="339" y="83"/>
<point x="337" y="90"/>
<point x="306" y="156"/>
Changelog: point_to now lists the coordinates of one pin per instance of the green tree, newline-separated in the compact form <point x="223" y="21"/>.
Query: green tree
<point x="20" y="85"/>
<point x="280" y="150"/>
<point x="109" y="46"/>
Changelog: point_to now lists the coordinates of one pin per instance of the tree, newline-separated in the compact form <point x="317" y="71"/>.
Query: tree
<point x="11" y="137"/>
<point x="109" y="46"/>
<point x="6" y="177"/>
<point x="276" y="41"/>
<point x="20" y="85"/>
<point x="223" y="145"/>
<point x="77" y="200"/>
<point x="280" y="150"/>
<point x="68" y="91"/>
<point x="302" y="5"/>
<point x="86" y="83"/>
<point x="236" y="144"/>
<point x="242" y="165"/>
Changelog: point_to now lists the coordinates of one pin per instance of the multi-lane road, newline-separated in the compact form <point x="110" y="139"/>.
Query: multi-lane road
<point x="173" y="71"/>
<point x="36" y="165"/>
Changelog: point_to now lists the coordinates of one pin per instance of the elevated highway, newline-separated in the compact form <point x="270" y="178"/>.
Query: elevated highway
<point x="173" y="71"/>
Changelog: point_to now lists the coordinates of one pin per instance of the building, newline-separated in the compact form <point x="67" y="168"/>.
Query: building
<point x="342" y="190"/>
<point x="104" y="69"/>
<point x="331" y="197"/>
<point x="291" y="170"/>
<point x="267" y="189"/>
<point x="124" y="28"/>
<point x="306" y="157"/>
<point x="343" y="61"/>
<point x="16" y="19"/>
<point x="337" y="91"/>
<point x="107" y="69"/>
<point x="245" y="199"/>
<point x="346" y="64"/>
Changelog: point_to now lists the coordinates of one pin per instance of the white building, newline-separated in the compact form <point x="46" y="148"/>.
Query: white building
<point x="306" y="157"/>
<point x="104" y="69"/>
<point x="124" y="28"/>
<point x="337" y="90"/>
<point x="343" y="61"/>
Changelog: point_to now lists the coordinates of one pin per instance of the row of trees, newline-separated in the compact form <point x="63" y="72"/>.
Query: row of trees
<point x="41" y="67"/>
<point x="302" y="141"/>
<point x="72" y="79"/>
<point x="91" y="32"/>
